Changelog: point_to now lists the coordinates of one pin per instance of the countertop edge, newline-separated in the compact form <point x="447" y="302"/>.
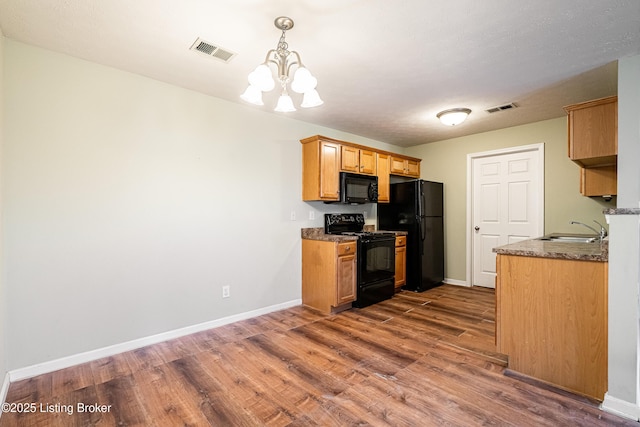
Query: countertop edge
<point x="317" y="233"/>
<point x="553" y="255"/>
<point x="621" y="211"/>
<point x="557" y="250"/>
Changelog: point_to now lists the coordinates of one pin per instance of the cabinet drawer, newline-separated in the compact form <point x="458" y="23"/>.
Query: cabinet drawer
<point x="401" y="241"/>
<point x="346" y="248"/>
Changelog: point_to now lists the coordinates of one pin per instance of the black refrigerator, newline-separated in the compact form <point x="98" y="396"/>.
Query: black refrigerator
<point x="417" y="208"/>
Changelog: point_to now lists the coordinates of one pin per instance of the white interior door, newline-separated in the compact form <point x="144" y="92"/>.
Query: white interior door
<point x="506" y="203"/>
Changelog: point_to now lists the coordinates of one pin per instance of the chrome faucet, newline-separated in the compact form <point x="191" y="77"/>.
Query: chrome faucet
<point x="602" y="233"/>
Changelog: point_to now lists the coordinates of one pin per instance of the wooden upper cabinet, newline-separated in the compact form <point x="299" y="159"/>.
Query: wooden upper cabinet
<point x="599" y="181"/>
<point x="357" y="160"/>
<point x="383" y="165"/>
<point x="405" y="167"/>
<point x="593" y="132"/>
<point x="413" y="168"/>
<point x="320" y="170"/>
<point x="324" y="158"/>
<point x="398" y="165"/>
<point x="368" y="162"/>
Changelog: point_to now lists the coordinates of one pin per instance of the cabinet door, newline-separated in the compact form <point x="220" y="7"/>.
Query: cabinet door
<point x="383" y="177"/>
<point x="367" y="162"/>
<point x="349" y="160"/>
<point x="329" y="171"/>
<point x="401" y="266"/>
<point x="413" y="168"/>
<point x="593" y="131"/>
<point x="599" y="181"/>
<point x="346" y="283"/>
<point x="397" y="166"/>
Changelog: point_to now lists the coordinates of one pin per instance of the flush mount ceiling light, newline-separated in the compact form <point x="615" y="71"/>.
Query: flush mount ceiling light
<point x="454" y="116"/>
<point x="261" y="80"/>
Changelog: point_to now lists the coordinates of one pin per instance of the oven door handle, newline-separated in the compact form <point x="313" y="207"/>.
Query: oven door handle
<point x="386" y="239"/>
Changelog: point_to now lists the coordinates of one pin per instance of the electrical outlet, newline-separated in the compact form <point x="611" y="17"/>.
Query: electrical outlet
<point x="226" y="292"/>
<point x="293" y="215"/>
<point x="312" y="215"/>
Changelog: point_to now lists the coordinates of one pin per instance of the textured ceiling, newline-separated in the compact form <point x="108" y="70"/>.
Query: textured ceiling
<point x="385" y="68"/>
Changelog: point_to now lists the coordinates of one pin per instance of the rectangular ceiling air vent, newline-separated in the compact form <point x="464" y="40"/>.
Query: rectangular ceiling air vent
<point x="501" y="108"/>
<point x="211" y="50"/>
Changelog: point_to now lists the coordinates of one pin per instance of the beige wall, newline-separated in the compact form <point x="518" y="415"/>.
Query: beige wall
<point x="446" y="161"/>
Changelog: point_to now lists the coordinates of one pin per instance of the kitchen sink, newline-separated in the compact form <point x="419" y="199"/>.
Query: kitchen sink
<point x="570" y="238"/>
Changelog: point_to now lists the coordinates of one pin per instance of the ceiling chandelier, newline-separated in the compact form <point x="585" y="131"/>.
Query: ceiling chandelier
<point x="454" y="116"/>
<point x="261" y="79"/>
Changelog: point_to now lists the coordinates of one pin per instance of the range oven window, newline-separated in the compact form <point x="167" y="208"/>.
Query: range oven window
<point x="377" y="260"/>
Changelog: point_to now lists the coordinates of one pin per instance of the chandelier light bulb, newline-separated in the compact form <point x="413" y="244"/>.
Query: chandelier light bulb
<point x="311" y="99"/>
<point x="261" y="78"/>
<point x="285" y="104"/>
<point x="303" y="81"/>
<point x="252" y="95"/>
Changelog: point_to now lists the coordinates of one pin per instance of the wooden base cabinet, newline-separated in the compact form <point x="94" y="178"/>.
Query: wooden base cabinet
<point x="328" y="274"/>
<point x="551" y="321"/>
<point x="401" y="262"/>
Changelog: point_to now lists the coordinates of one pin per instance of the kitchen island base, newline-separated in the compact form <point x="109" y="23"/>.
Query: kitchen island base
<point x="551" y="321"/>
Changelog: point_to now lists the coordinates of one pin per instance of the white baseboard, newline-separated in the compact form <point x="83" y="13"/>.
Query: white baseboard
<point x="77" y="359"/>
<point x="620" y="407"/>
<point x="4" y="389"/>
<point x="456" y="282"/>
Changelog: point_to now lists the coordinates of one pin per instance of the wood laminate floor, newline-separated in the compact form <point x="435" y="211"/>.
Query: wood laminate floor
<point x="419" y="359"/>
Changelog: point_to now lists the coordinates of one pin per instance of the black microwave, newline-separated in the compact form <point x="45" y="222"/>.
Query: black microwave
<point x="355" y="188"/>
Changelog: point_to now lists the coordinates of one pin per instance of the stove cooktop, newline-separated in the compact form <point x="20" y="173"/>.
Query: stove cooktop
<point x="351" y="225"/>
<point x="366" y="233"/>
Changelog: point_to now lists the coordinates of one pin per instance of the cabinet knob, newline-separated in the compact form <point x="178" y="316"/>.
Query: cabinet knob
<point x="347" y="248"/>
<point x="477" y="228"/>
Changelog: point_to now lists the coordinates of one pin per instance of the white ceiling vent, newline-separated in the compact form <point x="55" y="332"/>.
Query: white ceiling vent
<point x="501" y="108"/>
<point x="211" y="50"/>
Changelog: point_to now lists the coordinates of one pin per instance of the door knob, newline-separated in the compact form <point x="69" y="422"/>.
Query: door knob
<point x="477" y="228"/>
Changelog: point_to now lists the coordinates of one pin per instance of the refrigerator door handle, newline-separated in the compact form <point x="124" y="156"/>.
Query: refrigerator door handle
<point x="421" y="216"/>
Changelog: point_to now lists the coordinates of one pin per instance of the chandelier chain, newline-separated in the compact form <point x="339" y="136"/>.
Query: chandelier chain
<point x="283" y="46"/>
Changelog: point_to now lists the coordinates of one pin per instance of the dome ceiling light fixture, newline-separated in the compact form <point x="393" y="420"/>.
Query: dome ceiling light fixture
<point x="261" y="79"/>
<point x="454" y="116"/>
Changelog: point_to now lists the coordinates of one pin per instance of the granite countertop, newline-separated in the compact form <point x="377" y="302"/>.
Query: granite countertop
<point x="319" y="234"/>
<point x="596" y="251"/>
